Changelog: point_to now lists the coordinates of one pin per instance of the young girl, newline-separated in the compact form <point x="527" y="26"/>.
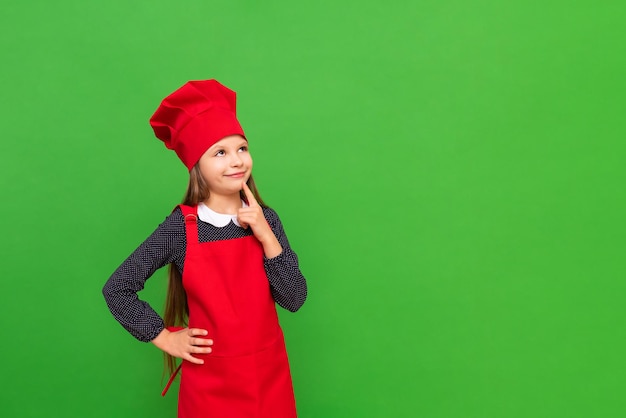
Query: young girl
<point x="230" y="262"/>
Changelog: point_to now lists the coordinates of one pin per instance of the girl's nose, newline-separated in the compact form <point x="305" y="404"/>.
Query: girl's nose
<point x="236" y="160"/>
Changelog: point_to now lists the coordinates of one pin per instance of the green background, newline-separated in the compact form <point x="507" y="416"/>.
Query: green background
<point x="451" y="174"/>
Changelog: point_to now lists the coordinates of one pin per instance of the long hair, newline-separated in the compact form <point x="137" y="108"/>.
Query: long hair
<point x="176" y="308"/>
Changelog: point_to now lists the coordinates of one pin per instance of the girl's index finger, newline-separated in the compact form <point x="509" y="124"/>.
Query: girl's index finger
<point x="251" y="200"/>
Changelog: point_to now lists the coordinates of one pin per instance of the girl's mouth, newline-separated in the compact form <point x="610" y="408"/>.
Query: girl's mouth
<point x="236" y="175"/>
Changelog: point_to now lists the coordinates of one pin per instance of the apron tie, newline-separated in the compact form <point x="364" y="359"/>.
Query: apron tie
<point x="169" y="382"/>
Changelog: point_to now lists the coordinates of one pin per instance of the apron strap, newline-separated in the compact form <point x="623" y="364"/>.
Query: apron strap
<point x="190" y="213"/>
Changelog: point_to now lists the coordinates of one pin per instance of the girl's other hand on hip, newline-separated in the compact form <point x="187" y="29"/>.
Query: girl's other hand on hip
<point x="184" y="343"/>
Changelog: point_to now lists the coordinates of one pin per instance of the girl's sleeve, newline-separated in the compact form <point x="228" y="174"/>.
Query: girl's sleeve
<point x="120" y="291"/>
<point x="287" y="283"/>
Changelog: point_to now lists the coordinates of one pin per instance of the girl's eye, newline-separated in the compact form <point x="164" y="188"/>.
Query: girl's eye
<point x="219" y="153"/>
<point x="243" y="148"/>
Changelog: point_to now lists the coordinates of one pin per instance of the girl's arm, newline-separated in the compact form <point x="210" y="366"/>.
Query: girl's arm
<point x="287" y="283"/>
<point x="120" y="291"/>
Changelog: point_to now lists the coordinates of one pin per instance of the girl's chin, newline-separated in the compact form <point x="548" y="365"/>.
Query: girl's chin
<point x="228" y="191"/>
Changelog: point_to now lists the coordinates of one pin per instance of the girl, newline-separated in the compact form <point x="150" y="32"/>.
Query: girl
<point x="230" y="262"/>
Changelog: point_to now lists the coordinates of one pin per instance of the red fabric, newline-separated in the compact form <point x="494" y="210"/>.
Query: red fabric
<point x="194" y="117"/>
<point x="247" y="374"/>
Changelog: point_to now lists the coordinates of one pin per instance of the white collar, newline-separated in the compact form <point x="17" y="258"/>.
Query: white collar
<point x="208" y="215"/>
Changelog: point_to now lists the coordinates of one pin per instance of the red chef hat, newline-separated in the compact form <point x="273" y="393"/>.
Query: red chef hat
<point x="194" y="117"/>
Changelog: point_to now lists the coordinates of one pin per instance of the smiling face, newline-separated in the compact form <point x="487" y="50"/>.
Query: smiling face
<point x="226" y="165"/>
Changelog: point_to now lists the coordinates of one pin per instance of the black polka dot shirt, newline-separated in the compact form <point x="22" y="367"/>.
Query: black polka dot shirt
<point x="167" y="244"/>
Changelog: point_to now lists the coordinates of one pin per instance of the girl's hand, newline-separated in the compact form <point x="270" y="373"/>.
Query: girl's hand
<point x="184" y="343"/>
<point x="253" y="217"/>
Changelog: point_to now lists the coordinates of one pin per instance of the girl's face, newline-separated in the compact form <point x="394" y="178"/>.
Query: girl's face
<point x="226" y="165"/>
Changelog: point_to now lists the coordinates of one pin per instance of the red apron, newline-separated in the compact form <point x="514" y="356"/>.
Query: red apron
<point x="247" y="374"/>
